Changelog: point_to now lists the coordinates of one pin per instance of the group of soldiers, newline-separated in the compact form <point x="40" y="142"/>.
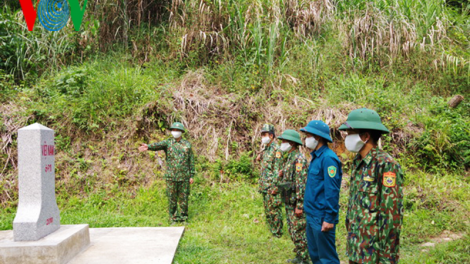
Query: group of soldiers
<point x="310" y="191"/>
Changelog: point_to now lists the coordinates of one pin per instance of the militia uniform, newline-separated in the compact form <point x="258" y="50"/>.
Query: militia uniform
<point x="375" y="210"/>
<point x="291" y="179"/>
<point x="180" y="169"/>
<point x="272" y="202"/>
<point x="322" y="197"/>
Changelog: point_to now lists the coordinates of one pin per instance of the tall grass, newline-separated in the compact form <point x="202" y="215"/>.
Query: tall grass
<point x="27" y="54"/>
<point x="378" y="32"/>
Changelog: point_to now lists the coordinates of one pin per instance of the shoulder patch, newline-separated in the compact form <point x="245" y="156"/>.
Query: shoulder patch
<point x="298" y="167"/>
<point x="278" y="154"/>
<point x="332" y="171"/>
<point x="389" y="179"/>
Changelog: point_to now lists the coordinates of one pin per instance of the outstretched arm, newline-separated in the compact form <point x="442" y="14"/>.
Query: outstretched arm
<point x="162" y="145"/>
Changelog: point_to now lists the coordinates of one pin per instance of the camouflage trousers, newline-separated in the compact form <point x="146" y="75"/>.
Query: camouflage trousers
<point x="178" y="194"/>
<point x="272" y="210"/>
<point x="297" y="230"/>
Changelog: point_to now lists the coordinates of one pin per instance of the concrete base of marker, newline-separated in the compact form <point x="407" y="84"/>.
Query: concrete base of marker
<point x="131" y="245"/>
<point x="57" y="248"/>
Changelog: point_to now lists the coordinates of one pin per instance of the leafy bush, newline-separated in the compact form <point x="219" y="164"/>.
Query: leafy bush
<point x="7" y="86"/>
<point x="445" y="142"/>
<point x="241" y="168"/>
<point x="464" y="5"/>
<point x="95" y="94"/>
<point x="72" y="82"/>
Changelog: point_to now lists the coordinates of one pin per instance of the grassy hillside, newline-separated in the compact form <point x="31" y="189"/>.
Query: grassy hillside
<point x="224" y="68"/>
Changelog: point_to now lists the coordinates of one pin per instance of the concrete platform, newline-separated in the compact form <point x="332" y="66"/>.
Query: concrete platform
<point x="56" y="248"/>
<point x="136" y="245"/>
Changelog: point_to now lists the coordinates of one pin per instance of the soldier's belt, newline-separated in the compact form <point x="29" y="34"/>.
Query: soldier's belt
<point x="287" y="189"/>
<point x="286" y="185"/>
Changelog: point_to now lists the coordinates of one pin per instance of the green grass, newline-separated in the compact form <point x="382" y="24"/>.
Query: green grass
<point x="451" y="252"/>
<point x="227" y="223"/>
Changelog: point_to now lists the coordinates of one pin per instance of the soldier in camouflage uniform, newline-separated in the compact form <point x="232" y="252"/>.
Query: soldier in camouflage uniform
<point x="375" y="209"/>
<point x="180" y="171"/>
<point x="291" y="179"/>
<point x="272" y="202"/>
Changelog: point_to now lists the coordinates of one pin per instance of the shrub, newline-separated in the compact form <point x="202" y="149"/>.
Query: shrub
<point x="445" y="142"/>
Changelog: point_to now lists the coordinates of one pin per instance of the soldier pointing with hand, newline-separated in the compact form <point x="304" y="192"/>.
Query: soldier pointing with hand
<point x="180" y="171"/>
<point x="375" y="209"/>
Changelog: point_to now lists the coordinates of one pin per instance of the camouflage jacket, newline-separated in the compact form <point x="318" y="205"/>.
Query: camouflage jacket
<point x="294" y="170"/>
<point x="375" y="209"/>
<point x="179" y="158"/>
<point x="267" y="167"/>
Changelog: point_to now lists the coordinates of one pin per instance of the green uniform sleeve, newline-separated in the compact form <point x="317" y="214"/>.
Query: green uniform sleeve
<point x="270" y="168"/>
<point x="192" y="169"/>
<point x="301" y="170"/>
<point x="390" y="211"/>
<point x="277" y="165"/>
<point x="162" y="145"/>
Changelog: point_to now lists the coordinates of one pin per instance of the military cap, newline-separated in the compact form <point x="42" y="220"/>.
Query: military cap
<point x="177" y="125"/>
<point x="364" y="119"/>
<point x="267" y="128"/>
<point x="291" y="135"/>
<point x="319" y="128"/>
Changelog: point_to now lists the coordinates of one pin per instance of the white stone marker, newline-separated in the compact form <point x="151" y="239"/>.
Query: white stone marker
<point x="38" y="214"/>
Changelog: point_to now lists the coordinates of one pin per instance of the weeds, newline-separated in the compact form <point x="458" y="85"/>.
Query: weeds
<point x="446" y="140"/>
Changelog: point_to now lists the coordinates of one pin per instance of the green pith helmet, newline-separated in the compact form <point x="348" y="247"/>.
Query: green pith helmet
<point x="177" y="125"/>
<point x="267" y="128"/>
<point x="291" y="135"/>
<point x="364" y="119"/>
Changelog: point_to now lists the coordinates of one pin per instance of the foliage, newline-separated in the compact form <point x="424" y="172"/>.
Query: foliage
<point x="95" y="94"/>
<point x="243" y="167"/>
<point x="445" y="143"/>
<point x="7" y="86"/>
<point x="72" y="82"/>
<point x="27" y="54"/>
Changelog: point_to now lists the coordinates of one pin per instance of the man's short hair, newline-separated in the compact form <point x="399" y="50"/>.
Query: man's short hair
<point x="374" y="134"/>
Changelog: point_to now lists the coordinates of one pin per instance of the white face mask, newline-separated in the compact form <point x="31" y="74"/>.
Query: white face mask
<point x="176" y="134"/>
<point x="285" y="147"/>
<point x="354" y="143"/>
<point x="265" y="140"/>
<point x="311" y="143"/>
